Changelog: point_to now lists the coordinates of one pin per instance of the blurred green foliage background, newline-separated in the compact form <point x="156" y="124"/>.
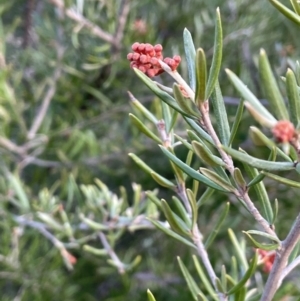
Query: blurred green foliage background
<point x="86" y="132"/>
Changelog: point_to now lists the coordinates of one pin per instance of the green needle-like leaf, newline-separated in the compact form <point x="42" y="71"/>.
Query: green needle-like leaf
<point x="162" y="181"/>
<point x="205" y="155"/>
<point x="193" y="287"/>
<point x="258" y="163"/>
<point x="144" y="129"/>
<point x="285" y="11"/>
<point x="261" y="192"/>
<point x="217" y="179"/>
<point x="282" y="180"/>
<point x="238" y="177"/>
<point x="173" y="222"/>
<point x="185" y="104"/>
<point x="246" y="277"/>
<point x="220" y="114"/>
<point x="190" y="54"/>
<point x="164" y="96"/>
<point x="250" y="97"/>
<point x="236" y="123"/>
<point x="262" y="246"/>
<point x="217" y="227"/>
<point x="201" y="77"/>
<point x="296" y="6"/>
<point x="193" y="203"/>
<point x="217" y="56"/>
<point x="293" y="97"/>
<point x="190" y="171"/>
<point x="150" y="296"/>
<point x="271" y="89"/>
<point x="171" y="233"/>
<point x="239" y="250"/>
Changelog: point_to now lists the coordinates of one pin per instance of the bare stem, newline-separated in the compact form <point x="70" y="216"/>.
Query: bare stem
<point x="278" y="270"/>
<point x="77" y="17"/>
<point x="111" y="253"/>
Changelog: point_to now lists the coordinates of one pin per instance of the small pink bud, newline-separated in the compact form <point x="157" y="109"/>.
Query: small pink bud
<point x="144" y="59"/>
<point x="283" y="131"/>
<point x="129" y="56"/>
<point x="135" y="46"/>
<point x="135" y="56"/>
<point x="141" y="47"/>
<point x="158" y="48"/>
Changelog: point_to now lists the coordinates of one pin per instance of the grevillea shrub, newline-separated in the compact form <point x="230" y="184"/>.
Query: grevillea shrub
<point x="212" y="166"/>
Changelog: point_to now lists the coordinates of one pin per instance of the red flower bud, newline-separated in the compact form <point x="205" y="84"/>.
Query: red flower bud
<point x="283" y="131"/>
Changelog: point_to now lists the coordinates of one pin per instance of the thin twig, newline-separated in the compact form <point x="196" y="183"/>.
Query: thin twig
<point x="77" y="17"/>
<point x="111" y="253"/>
<point x="122" y="19"/>
<point x="288" y="269"/>
<point x="47" y="99"/>
<point x="280" y="262"/>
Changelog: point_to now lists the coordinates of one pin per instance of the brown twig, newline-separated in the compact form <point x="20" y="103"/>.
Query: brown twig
<point x="77" y="17"/>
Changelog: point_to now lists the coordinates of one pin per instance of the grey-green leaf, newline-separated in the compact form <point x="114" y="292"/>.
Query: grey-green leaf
<point x="217" y="56"/>
<point x="293" y="97"/>
<point x="271" y="89"/>
<point x="285" y="11"/>
<point x="201" y="77"/>
<point x="258" y="163"/>
<point x="190" y="171"/>
<point x="190" y="54"/>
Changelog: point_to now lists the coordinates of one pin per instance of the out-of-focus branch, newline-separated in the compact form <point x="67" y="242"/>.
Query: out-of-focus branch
<point x="47" y="99"/>
<point x="125" y="8"/>
<point x="96" y="30"/>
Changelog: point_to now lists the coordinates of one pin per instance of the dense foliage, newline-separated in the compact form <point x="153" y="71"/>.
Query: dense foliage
<point x="64" y="123"/>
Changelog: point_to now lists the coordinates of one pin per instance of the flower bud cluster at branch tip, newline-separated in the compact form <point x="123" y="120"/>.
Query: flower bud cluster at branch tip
<point x="283" y="131"/>
<point x="145" y="57"/>
<point x="267" y="258"/>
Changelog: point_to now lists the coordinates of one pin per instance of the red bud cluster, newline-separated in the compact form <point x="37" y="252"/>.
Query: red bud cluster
<point x="283" y="131"/>
<point x="267" y="259"/>
<point x="146" y="58"/>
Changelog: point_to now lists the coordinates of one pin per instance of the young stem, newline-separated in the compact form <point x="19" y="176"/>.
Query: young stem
<point x="280" y="262"/>
<point x="240" y="193"/>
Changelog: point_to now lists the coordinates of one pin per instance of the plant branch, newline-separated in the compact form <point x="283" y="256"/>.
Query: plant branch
<point x="77" y="17"/>
<point x="240" y="192"/>
<point x="279" y="267"/>
<point x="47" y="99"/>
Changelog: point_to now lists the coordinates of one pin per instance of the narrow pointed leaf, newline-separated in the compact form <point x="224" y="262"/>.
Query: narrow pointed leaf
<point x="223" y="277"/>
<point x="190" y="54"/>
<point x="256" y="180"/>
<point x="259" y="138"/>
<point x="153" y="198"/>
<point x="141" y="163"/>
<point x="282" y="180"/>
<point x="143" y="128"/>
<point x="217" y="227"/>
<point x="164" y="96"/>
<point x="236" y="123"/>
<point x="249" y="96"/>
<point x="246" y="277"/>
<point x="166" y="116"/>
<point x="193" y="203"/>
<point x="171" y="233"/>
<point x="220" y="114"/>
<point x="271" y="88"/>
<point x="178" y="173"/>
<point x="202" y="134"/>
<point x="190" y="171"/>
<point x="193" y="287"/>
<point x="201" y="77"/>
<point x="297" y="73"/>
<point x="296" y="6"/>
<point x="205" y="196"/>
<point x="142" y="109"/>
<point x="173" y="222"/>
<point x="206" y="156"/>
<point x="239" y="250"/>
<point x="240" y="295"/>
<point x="293" y="97"/>
<point x="262" y="195"/>
<point x="258" y="163"/>
<point x="181" y="211"/>
<point x="220" y="286"/>
<point x="263" y="234"/>
<point x="275" y="212"/>
<point x="238" y="177"/>
<point x="184" y="142"/>
<point x="217" y="179"/>
<point x="150" y="296"/>
<point x="173" y="121"/>
<point x="185" y="104"/>
<point x="217" y="56"/>
<point x="286" y="11"/>
<point x="262" y="246"/>
<point x="162" y="181"/>
<point x="204" y="280"/>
